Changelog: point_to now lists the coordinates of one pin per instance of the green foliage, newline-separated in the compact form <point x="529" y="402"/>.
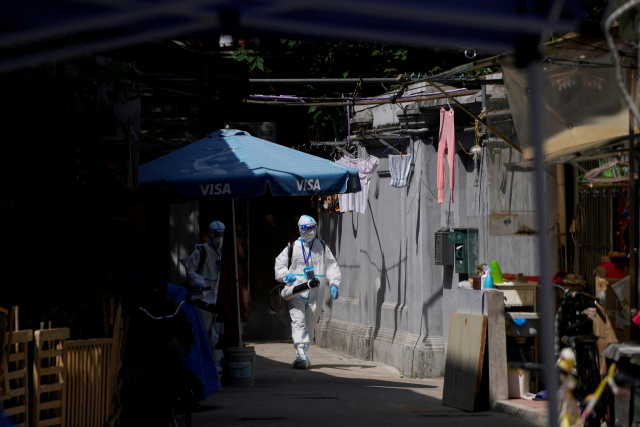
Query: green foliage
<point x="344" y="58"/>
<point x="250" y="57"/>
<point x="481" y="72"/>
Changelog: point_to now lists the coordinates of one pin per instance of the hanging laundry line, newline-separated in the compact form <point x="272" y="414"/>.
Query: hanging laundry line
<point x="448" y="75"/>
<point x="407" y="79"/>
<point x="405" y="99"/>
<point x="337" y="145"/>
<point x="487" y="125"/>
<point x="294" y="98"/>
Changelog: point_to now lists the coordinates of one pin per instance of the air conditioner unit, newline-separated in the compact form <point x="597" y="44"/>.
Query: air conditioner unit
<point x="262" y="130"/>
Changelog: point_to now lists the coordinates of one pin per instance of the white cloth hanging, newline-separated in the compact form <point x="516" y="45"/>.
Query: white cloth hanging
<point x="399" y="167"/>
<point x="358" y="201"/>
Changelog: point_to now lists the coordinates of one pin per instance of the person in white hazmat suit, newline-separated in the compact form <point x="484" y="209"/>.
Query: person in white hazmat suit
<point x="207" y="274"/>
<point x="304" y="300"/>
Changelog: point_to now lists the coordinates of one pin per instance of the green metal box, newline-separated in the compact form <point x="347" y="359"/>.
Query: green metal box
<point x="465" y="242"/>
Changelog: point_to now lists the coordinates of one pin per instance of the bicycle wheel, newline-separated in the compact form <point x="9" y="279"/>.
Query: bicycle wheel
<point x="180" y="418"/>
<point x="275" y="300"/>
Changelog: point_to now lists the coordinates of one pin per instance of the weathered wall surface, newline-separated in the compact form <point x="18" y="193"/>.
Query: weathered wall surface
<point x="184" y="234"/>
<point x="390" y="308"/>
<point x="395" y="302"/>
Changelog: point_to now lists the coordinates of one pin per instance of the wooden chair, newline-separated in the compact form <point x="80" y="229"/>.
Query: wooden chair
<point x="15" y="390"/>
<point x="49" y="373"/>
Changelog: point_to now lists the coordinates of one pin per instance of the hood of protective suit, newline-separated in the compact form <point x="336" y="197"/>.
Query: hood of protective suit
<point x="307" y="227"/>
<point x="216" y="227"/>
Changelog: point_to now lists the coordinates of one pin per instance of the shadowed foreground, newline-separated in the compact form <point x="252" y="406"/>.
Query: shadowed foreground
<point x="338" y="390"/>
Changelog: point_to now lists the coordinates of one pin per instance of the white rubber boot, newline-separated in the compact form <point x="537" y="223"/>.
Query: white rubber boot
<point x="302" y="361"/>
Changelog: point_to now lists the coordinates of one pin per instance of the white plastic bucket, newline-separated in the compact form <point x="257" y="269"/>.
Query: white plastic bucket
<point x="238" y="366"/>
<point x="518" y="383"/>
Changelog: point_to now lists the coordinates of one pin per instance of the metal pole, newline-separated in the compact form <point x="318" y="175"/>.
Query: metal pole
<point x="548" y="299"/>
<point x="248" y="259"/>
<point x="632" y="197"/>
<point x="403" y="100"/>
<point x="235" y="271"/>
<point x="484" y="107"/>
<point x="576" y="202"/>
<point x="355" y="81"/>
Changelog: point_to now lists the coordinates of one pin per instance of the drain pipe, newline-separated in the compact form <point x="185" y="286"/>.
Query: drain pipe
<point x="394" y="128"/>
<point x="415" y="132"/>
<point x="562" y="212"/>
<point x="484" y="106"/>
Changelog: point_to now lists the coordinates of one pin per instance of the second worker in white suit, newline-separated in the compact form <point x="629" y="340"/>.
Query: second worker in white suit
<point x="305" y="305"/>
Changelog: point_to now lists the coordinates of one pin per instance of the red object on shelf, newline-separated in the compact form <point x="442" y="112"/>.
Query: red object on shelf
<point x="508" y="277"/>
<point x="615" y="269"/>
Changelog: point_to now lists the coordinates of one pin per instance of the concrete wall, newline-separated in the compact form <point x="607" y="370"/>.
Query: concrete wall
<point x="184" y="234"/>
<point x="394" y="301"/>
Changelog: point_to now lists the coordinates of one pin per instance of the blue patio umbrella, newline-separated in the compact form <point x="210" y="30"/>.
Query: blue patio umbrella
<point x="231" y="163"/>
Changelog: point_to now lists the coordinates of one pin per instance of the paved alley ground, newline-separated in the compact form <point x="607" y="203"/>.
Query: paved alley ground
<point x="337" y="391"/>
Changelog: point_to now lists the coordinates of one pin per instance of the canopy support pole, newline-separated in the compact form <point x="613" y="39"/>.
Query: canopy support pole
<point x="547" y="293"/>
<point x="235" y="270"/>
<point x="631" y="196"/>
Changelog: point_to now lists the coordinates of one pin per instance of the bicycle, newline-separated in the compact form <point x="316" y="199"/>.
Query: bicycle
<point x="574" y="329"/>
<point x="175" y="339"/>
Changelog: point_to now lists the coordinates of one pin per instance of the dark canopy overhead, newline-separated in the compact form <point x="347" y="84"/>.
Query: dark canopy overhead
<point x="495" y="25"/>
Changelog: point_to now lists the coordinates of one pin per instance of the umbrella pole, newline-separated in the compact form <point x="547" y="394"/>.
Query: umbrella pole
<point x="235" y="270"/>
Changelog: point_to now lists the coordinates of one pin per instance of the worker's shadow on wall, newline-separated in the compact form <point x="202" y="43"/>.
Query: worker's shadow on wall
<point x="384" y="280"/>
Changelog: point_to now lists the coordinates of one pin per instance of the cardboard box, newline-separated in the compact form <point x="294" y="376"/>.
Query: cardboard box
<point x="604" y="325"/>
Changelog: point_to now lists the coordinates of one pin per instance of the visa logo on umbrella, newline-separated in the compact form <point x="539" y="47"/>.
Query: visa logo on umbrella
<point x="310" y="184"/>
<point x="215" y="190"/>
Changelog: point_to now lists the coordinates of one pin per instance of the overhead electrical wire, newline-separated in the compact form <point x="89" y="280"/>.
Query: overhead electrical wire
<point x="616" y="57"/>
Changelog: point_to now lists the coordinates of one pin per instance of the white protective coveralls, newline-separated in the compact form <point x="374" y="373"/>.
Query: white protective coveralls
<point x="209" y="277"/>
<point x="303" y="308"/>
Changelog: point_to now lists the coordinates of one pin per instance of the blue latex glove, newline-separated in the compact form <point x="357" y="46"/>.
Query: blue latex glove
<point x="334" y="292"/>
<point x="519" y="322"/>
<point x="290" y="278"/>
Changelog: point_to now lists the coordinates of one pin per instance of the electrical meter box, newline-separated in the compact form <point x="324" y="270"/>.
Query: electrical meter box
<point x="444" y="249"/>
<point x="465" y="249"/>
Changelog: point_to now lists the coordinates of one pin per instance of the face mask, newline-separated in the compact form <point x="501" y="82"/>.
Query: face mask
<point x="308" y="235"/>
<point x="216" y="242"/>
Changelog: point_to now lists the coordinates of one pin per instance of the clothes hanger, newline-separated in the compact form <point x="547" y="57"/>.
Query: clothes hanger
<point x="591" y="176"/>
<point x="398" y="143"/>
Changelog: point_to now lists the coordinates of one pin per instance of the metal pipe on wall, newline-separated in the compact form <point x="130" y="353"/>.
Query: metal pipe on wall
<point x="426" y="97"/>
